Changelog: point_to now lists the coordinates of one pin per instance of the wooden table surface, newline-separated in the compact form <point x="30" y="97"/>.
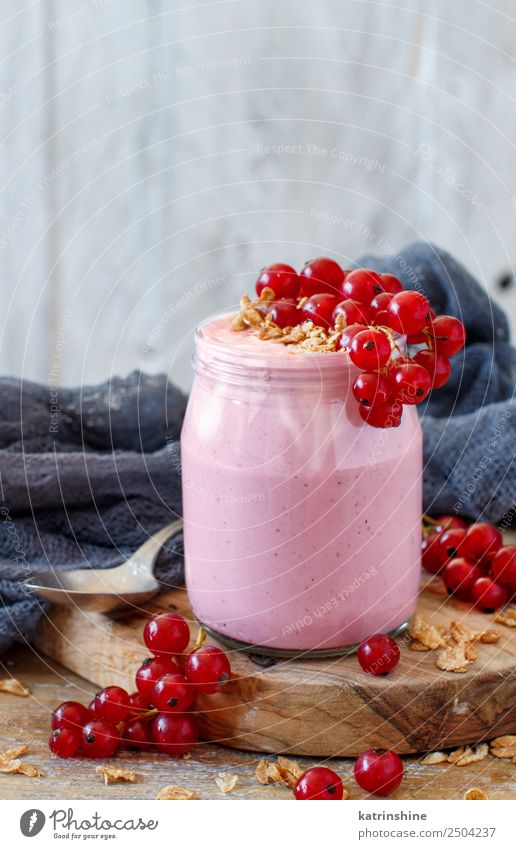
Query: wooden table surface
<point x="26" y="720"/>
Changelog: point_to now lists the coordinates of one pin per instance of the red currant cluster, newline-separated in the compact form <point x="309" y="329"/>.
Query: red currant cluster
<point x="159" y="714"/>
<point x="376" y="771"/>
<point x="374" y="312"/>
<point x="472" y="561"/>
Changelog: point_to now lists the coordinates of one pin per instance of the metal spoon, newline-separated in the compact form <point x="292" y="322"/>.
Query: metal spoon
<point x="104" y="590"/>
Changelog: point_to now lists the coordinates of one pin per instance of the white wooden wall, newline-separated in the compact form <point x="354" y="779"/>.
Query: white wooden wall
<point x="141" y="189"/>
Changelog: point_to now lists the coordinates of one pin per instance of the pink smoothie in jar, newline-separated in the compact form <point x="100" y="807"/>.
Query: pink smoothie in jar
<point x="302" y="524"/>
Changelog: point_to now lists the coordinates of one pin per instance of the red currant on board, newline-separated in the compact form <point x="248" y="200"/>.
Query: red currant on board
<point x="174" y="733"/>
<point x="370" y="388"/>
<point x="113" y="704"/>
<point x="391" y="284"/>
<point x="319" y="783"/>
<point x="379" y="304"/>
<point x="488" y="594"/>
<point x="378" y="655"/>
<point x="481" y="539"/>
<point x="451" y="544"/>
<point x="208" y="669"/>
<point x="503" y="565"/>
<point x="431" y="557"/>
<point x="149" y="672"/>
<point x="65" y="742"/>
<point x="172" y="693"/>
<point x="100" y="739"/>
<point x="321" y="275"/>
<point x="281" y="278"/>
<point x="137" y="735"/>
<point x="352" y="312"/>
<point x="136" y="702"/>
<point x="319" y="309"/>
<point x="362" y="285"/>
<point x="459" y="575"/>
<point x="166" y="634"/>
<point x="285" y="314"/>
<point x="448" y="335"/>
<point x="437" y="365"/>
<point x="370" y="349"/>
<point x="409" y="383"/>
<point x="70" y="715"/>
<point x="382" y="415"/>
<point x="347" y="335"/>
<point x="379" y="772"/>
<point x="446" y="523"/>
<point x="408" y="312"/>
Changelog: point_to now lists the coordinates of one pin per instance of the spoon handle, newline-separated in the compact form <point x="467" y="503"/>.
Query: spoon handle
<point x="145" y="556"/>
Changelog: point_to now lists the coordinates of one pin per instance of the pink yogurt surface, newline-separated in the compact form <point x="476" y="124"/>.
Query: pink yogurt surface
<point x="302" y="524"/>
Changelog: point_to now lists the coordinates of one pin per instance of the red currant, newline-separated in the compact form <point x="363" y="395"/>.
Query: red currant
<point x="431" y="557"/>
<point x="319" y="309"/>
<point x="409" y="383"/>
<point x="319" y="783"/>
<point x="391" y="284"/>
<point x="382" y="415"/>
<point x="321" y="275"/>
<point x="379" y="304"/>
<point x="408" y="312"/>
<point x="459" y="575"/>
<point x="370" y="349"/>
<point x="137" y="735"/>
<point x="166" y="634"/>
<point x="100" y="739"/>
<point x="208" y="669"/>
<point x="70" y="715"/>
<point x="362" y="285"/>
<point x="370" y="388"/>
<point x="352" y="312"/>
<point x="285" y="314"/>
<point x="281" y="278"/>
<point x="503" y="565"/>
<point x="448" y="334"/>
<point x="437" y="365"/>
<point x="172" y="693"/>
<point x="447" y="522"/>
<point x="378" y="655"/>
<point x="451" y="544"/>
<point x="481" y="539"/>
<point x="65" y="742"/>
<point x="149" y="672"/>
<point x="136" y="702"/>
<point x="347" y="335"/>
<point x="113" y="704"/>
<point x="174" y="733"/>
<point x="379" y="772"/>
<point x="488" y="594"/>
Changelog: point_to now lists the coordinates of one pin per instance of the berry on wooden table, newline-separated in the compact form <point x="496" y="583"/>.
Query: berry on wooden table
<point x="378" y="655"/>
<point x="379" y="772"/>
<point x="112" y="703"/>
<point x="459" y="575"/>
<point x="208" y="669"/>
<point x="503" y="566"/>
<point x="137" y="735"/>
<point x="172" y="693"/>
<point x="488" y="594"/>
<point x="65" y="742"/>
<point x="481" y="539"/>
<point x="70" y="715"/>
<point x="319" y="783"/>
<point x="174" y="733"/>
<point x="100" y="739"/>
<point x="166" y="634"/>
<point x="281" y="278"/>
<point x="149" y="672"/>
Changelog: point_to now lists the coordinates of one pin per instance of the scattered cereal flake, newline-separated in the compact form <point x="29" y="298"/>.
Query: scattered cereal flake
<point x="475" y="793"/>
<point x="456" y="657"/>
<point x="436" y="587"/>
<point x="261" y="773"/>
<point x="456" y="755"/>
<point x="226" y="781"/>
<point x="507" y="617"/>
<point x="187" y="756"/>
<point x="18" y="766"/>
<point x="428" y="635"/>
<point x="284" y="772"/>
<point x="435" y="758"/>
<point x="489" y="636"/>
<point x="174" y="793"/>
<point x="503" y="747"/>
<point x="472" y="754"/>
<point x="15" y="752"/>
<point x="111" y="774"/>
<point x="415" y="645"/>
<point x="13" y="686"/>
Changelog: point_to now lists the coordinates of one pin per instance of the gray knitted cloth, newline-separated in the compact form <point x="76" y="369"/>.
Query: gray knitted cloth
<point x="85" y="484"/>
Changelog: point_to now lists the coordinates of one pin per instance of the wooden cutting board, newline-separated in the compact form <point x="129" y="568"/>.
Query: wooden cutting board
<point x="319" y="707"/>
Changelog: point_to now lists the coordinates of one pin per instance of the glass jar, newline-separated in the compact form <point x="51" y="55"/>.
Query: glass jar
<point x="302" y="524"/>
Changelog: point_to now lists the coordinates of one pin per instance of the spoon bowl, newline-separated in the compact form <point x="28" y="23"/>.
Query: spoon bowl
<point x="103" y="590"/>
